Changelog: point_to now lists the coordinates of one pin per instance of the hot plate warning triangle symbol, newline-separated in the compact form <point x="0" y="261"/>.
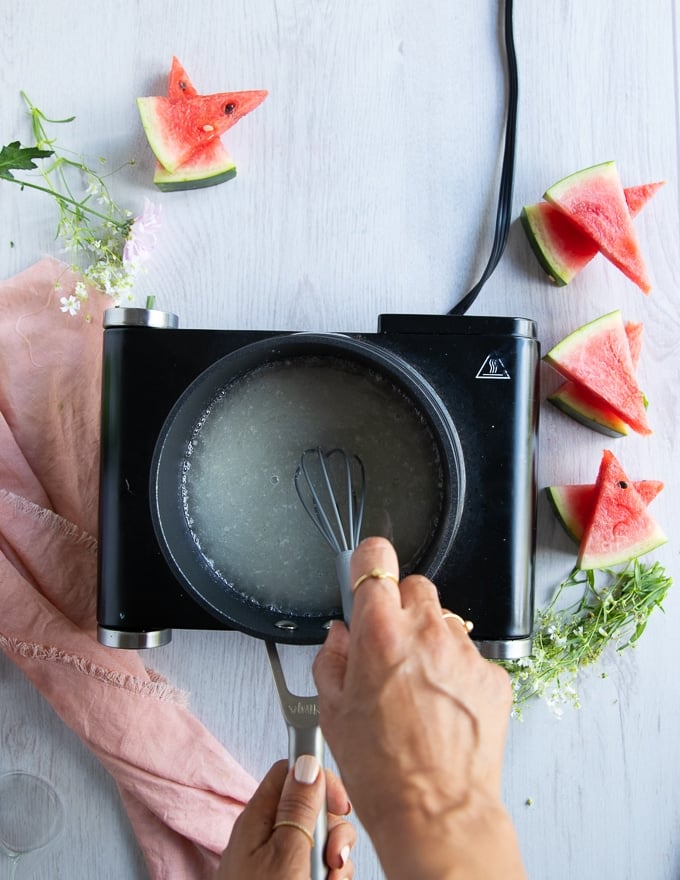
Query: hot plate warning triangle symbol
<point x="492" y="368"/>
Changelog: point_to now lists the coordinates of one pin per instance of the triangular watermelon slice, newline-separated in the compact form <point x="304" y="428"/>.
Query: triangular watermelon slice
<point x="620" y="528"/>
<point x="562" y="249"/>
<point x="585" y="407"/>
<point x="574" y="505"/>
<point x="208" y="166"/>
<point x="597" y="356"/>
<point x="594" y="200"/>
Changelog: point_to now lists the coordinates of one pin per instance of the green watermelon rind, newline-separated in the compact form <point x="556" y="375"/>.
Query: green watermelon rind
<point x="558" y="502"/>
<point x="557" y="272"/>
<point x="608" y="423"/>
<point x="194" y="178"/>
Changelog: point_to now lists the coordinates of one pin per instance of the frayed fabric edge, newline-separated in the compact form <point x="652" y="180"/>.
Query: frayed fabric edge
<point x="49" y="518"/>
<point x="157" y="687"/>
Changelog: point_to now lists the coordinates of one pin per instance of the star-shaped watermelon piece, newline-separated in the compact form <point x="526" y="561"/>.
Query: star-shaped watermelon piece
<point x="184" y="130"/>
<point x="620" y="527"/>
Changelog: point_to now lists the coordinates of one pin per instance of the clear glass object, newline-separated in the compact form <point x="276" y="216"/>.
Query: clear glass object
<point x="31" y="817"/>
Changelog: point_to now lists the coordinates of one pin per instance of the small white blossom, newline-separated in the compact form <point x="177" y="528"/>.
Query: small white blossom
<point x="81" y="290"/>
<point x="70" y="304"/>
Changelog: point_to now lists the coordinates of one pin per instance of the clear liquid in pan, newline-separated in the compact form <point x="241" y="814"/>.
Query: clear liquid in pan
<point x="240" y="500"/>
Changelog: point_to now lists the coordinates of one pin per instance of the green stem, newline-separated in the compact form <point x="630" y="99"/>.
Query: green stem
<point x="69" y="201"/>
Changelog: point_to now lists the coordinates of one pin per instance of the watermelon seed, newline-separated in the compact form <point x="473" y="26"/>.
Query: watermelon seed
<point x="229" y="108"/>
<point x="182" y="86"/>
<point x="622" y="484"/>
<point x="208" y="128"/>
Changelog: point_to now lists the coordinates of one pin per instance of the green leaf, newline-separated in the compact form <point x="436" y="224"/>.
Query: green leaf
<point x="14" y="157"/>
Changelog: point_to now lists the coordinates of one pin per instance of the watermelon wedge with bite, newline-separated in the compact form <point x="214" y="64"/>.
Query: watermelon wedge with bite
<point x="585" y="407"/>
<point x="562" y="249"/>
<point x="207" y="167"/>
<point x="620" y="527"/>
<point x="573" y="505"/>
<point x="594" y="200"/>
<point x="179" y="127"/>
<point x="597" y="357"/>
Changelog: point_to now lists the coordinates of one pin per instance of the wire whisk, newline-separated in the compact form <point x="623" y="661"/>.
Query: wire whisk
<point x="332" y="489"/>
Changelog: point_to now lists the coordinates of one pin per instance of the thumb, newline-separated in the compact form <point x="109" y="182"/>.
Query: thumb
<point x="302" y="799"/>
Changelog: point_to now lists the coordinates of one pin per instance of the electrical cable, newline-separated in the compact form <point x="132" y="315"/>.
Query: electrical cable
<point x="504" y="208"/>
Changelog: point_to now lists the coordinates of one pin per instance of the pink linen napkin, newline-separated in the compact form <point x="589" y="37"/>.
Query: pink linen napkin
<point x="182" y="790"/>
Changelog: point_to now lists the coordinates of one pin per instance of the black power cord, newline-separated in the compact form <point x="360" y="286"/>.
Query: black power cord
<point x="504" y="209"/>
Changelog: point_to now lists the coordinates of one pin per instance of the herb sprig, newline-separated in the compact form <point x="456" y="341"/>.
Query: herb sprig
<point x="107" y="243"/>
<point x="611" y="611"/>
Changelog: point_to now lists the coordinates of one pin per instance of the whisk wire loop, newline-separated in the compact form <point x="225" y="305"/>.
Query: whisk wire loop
<point x="326" y="499"/>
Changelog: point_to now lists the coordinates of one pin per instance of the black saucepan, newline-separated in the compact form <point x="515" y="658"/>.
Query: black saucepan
<point x="182" y="553"/>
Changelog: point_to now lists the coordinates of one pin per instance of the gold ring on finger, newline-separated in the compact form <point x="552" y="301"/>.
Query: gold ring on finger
<point x="378" y="574"/>
<point x="287" y="823"/>
<point x="467" y="625"/>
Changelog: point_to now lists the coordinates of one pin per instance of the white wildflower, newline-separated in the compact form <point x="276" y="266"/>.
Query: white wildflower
<point x="70" y="304"/>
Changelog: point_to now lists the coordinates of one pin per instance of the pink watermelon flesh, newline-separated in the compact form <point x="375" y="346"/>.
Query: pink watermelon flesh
<point x="178" y="129"/>
<point x="597" y="356"/>
<point x="574" y="505"/>
<point x="180" y="86"/>
<point x="594" y="200"/>
<point x="562" y="249"/>
<point x="590" y="410"/>
<point x="638" y="196"/>
<point x="620" y="527"/>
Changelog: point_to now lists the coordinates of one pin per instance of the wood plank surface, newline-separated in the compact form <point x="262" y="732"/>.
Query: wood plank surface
<point x="367" y="183"/>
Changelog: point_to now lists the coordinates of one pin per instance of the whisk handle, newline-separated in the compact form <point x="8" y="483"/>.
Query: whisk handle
<point x="342" y="571"/>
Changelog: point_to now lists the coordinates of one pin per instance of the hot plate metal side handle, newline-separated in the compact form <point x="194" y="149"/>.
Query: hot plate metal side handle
<point x="301" y="715"/>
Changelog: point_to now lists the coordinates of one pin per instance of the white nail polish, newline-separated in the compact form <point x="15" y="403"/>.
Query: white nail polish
<point x="344" y="855"/>
<point x="306" y="769"/>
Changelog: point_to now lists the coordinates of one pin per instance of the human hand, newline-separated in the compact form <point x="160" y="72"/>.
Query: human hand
<point x="416" y="720"/>
<point x="258" y="850"/>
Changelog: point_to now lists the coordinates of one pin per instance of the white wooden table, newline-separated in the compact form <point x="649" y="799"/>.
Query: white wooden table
<point x="367" y="183"/>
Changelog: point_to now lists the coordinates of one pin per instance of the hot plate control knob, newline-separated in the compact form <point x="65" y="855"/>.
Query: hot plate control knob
<point x="134" y="641"/>
<point x="128" y="317"/>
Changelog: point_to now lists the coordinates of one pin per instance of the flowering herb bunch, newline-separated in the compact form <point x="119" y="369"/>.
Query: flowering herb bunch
<point x="611" y="611"/>
<point x="107" y="244"/>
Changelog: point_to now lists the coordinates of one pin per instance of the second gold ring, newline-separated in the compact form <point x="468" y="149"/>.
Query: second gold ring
<point x="467" y="625"/>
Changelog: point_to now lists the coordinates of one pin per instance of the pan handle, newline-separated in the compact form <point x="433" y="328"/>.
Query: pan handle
<point x="301" y="715"/>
